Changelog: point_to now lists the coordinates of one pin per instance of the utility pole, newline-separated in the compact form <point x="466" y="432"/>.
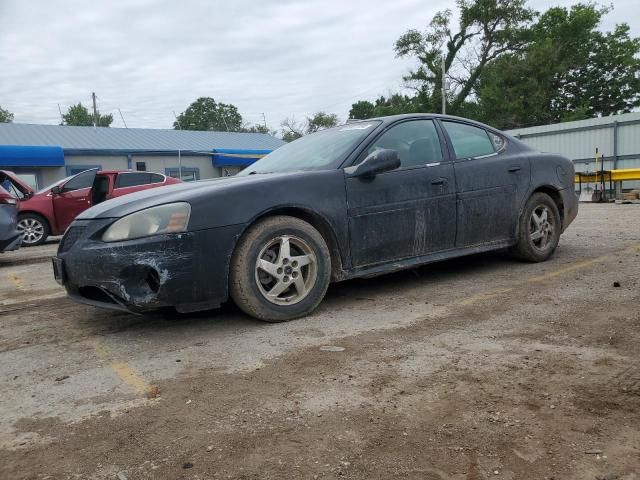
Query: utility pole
<point x="61" y="116"/>
<point x="95" y="110"/>
<point x="179" y="154"/>
<point x="264" y="120"/>
<point x="444" y="86"/>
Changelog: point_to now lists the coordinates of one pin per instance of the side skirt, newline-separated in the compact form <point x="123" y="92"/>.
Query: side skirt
<point x="375" y="270"/>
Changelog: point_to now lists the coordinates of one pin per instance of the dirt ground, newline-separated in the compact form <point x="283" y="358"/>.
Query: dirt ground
<point x="471" y="369"/>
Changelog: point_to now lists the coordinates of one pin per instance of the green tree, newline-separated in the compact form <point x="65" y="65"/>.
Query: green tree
<point x="320" y="121"/>
<point x="394" y="104"/>
<point x="487" y="29"/>
<point x="256" y="129"/>
<point x="207" y="114"/>
<point x="362" y="110"/>
<point x="5" y="116"/>
<point x="570" y="70"/>
<point x="291" y="129"/>
<point x="79" y="116"/>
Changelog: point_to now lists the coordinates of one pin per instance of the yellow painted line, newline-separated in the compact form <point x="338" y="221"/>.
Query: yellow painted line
<point x="16" y="280"/>
<point x="125" y="372"/>
<point x="484" y="296"/>
<point x="480" y="297"/>
<point x="576" y="266"/>
<point x="129" y="376"/>
<point x="632" y="248"/>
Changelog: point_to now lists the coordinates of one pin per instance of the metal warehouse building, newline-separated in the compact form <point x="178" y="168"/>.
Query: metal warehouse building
<point x="616" y="138"/>
<point x="43" y="154"/>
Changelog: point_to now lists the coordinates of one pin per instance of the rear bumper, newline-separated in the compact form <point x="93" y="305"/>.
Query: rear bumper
<point x="570" y="202"/>
<point x="188" y="271"/>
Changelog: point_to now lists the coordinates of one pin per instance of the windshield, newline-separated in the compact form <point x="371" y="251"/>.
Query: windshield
<point x="318" y="151"/>
<point x="59" y="182"/>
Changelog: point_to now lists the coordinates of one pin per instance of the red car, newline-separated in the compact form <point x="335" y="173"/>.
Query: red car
<point x="51" y="210"/>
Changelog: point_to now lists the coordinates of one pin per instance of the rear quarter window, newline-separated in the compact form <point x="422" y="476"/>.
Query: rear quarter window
<point x="157" y="178"/>
<point x="469" y="141"/>
<point x="132" y="179"/>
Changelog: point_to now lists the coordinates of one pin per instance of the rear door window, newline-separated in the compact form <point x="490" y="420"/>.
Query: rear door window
<point x="132" y="179"/>
<point x="469" y="141"/>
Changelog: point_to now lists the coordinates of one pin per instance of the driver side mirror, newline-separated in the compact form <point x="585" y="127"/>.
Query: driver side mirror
<point x="57" y="190"/>
<point x="377" y="162"/>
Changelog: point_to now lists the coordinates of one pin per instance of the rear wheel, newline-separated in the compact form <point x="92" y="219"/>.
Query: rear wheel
<point x="539" y="229"/>
<point x="280" y="269"/>
<point x="34" y="229"/>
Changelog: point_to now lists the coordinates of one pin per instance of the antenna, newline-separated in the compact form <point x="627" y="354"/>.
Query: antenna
<point x="125" y="123"/>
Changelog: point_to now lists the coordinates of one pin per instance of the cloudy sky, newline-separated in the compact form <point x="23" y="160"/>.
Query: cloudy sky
<point x="149" y="58"/>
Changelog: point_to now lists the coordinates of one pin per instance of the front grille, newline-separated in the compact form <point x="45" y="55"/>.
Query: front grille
<point x="70" y="238"/>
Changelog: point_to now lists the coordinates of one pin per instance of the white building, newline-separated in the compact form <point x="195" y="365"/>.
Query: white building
<point x="43" y="154"/>
<point x="615" y="138"/>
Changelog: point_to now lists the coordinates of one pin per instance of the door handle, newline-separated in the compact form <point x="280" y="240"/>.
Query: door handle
<point x="514" y="168"/>
<point x="439" y="181"/>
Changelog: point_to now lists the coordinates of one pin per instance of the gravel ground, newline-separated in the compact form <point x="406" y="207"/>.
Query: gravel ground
<point x="471" y="369"/>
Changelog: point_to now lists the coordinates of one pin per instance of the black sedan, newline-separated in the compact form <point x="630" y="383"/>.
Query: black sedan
<point x="361" y="199"/>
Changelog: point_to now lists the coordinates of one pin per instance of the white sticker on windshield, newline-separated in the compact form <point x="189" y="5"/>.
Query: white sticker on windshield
<point x="356" y="127"/>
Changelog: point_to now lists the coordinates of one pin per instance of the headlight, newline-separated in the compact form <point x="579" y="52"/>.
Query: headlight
<point x="170" y="218"/>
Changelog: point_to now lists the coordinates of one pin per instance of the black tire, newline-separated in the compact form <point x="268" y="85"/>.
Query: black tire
<point x="37" y="223"/>
<point x="529" y="247"/>
<point x="249" y="284"/>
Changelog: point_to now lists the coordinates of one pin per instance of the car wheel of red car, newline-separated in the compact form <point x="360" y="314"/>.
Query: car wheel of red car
<point x="34" y="229"/>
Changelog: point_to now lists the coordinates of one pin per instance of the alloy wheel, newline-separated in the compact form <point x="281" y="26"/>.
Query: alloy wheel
<point x="286" y="270"/>
<point x="541" y="227"/>
<point x="31" y="229"/>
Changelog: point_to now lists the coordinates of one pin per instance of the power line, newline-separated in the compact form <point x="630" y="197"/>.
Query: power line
<point x="125" y="123"/>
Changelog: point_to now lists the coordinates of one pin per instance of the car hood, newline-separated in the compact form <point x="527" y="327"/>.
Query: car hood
<point x="24" y="188"/>
<point x="181" y="192"/>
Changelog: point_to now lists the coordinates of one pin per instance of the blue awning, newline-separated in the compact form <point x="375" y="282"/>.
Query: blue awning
<point x="224" y="157"/>
<point x="31" y="156"/>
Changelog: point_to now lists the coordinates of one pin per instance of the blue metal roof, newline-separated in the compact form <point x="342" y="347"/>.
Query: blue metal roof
<point x="30" y="156"/>
<point x="121" y="140"/>
<point x="226" y="157"/>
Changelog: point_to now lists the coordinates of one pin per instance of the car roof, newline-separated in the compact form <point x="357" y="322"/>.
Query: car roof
<point x="393" y="118"/>
<point x="114" y="172"/>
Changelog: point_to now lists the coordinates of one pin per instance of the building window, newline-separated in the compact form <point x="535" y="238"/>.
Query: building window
<point x="189" y="174"/>
<point x="141" y="166"/>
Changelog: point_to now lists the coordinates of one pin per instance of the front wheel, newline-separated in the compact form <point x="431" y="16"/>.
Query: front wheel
<point x="34" y="229"/>
<point x="539" y="229"/>
<point x="280" y="269"/>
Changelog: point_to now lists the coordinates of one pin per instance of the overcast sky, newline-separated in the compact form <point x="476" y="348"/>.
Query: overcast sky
<point x="152" y="57"/>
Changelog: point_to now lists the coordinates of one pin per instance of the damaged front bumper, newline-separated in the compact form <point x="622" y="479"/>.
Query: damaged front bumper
<point x="187" y="270"/>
